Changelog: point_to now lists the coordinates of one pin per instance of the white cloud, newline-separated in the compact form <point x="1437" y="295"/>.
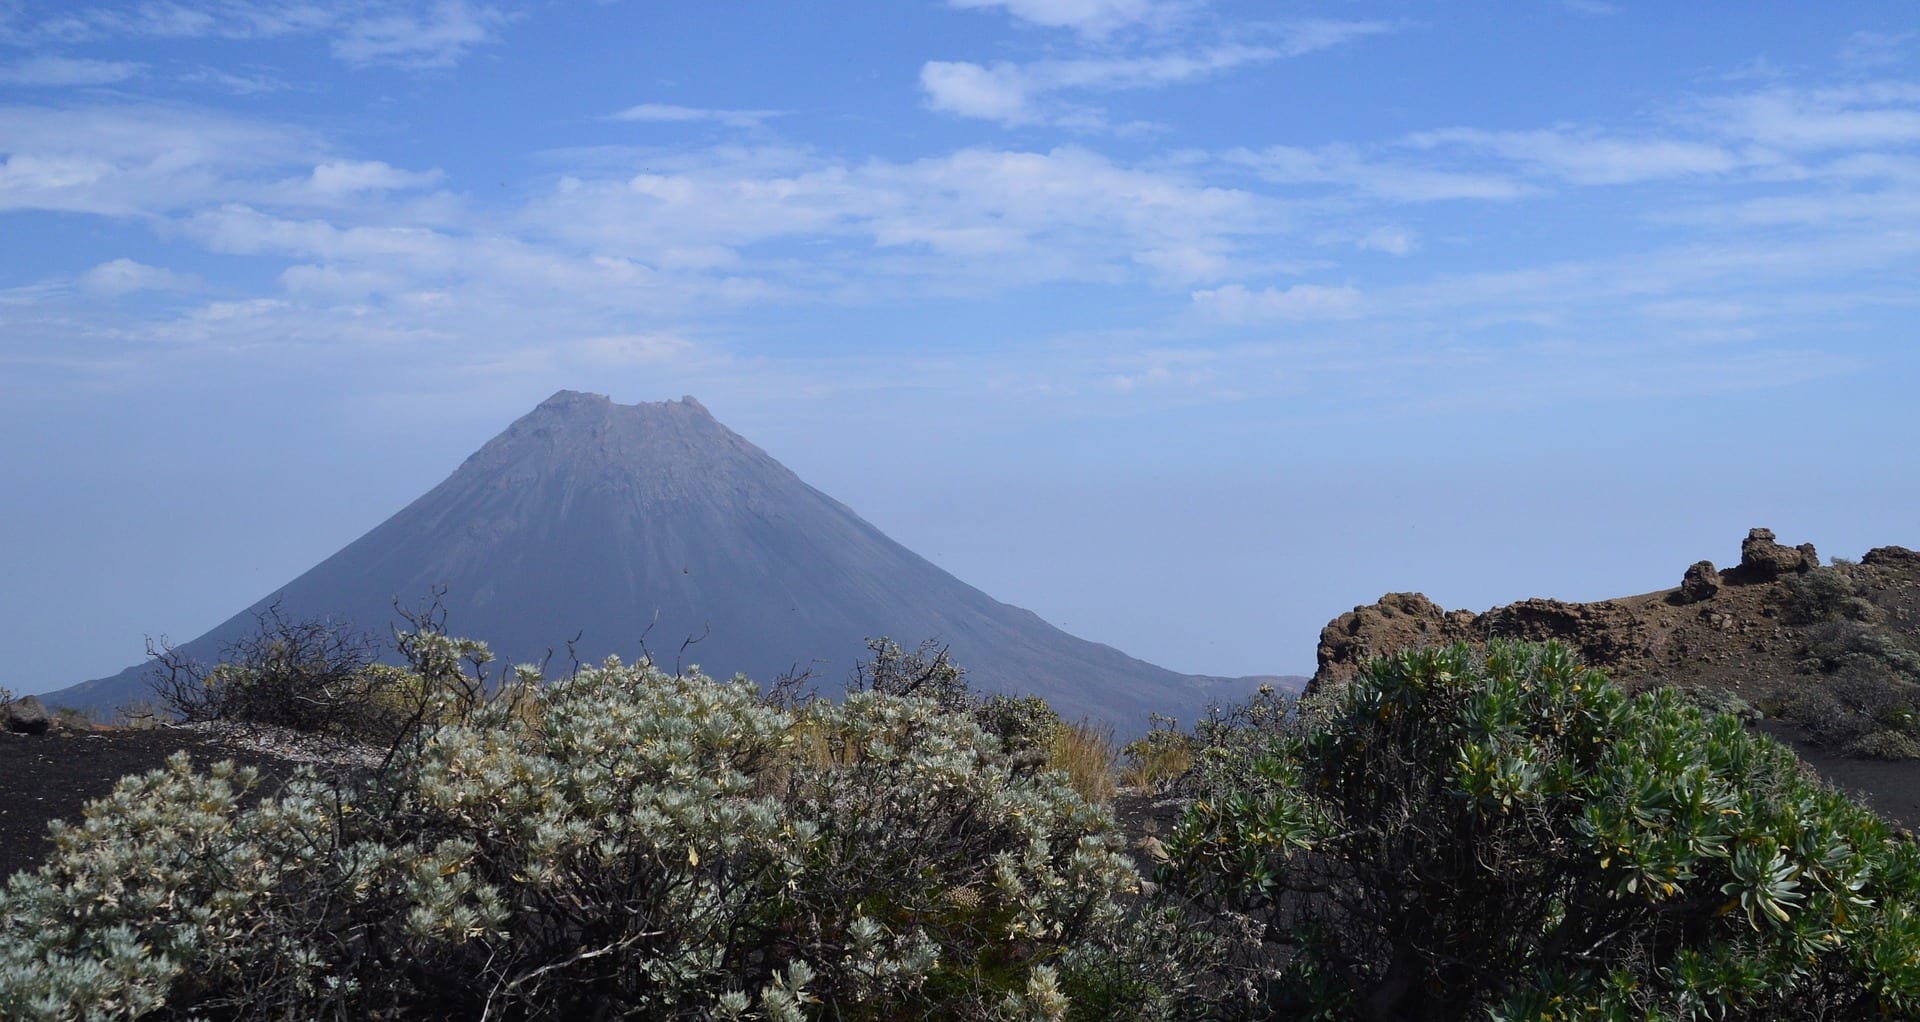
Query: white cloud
<point x="67" y="71"/>
<point x="412" y="34"/>
<point x="1815" y="120"/>
<point x="1088" y="17"/>
<point x="327" y="282"/>
<point x="1591" y="159"/>
<point x="1299" y="38"/>
<point x="1877" y="49"/>
<point x="251" y="82"/>
<point x="138" y="160"/>
<point x="999" y="93"/>
<point x="1386" y="179"/>
<point x="1234" y="303"/>
<point x="437" y="37"/>
<point x="1068" y="213"/>
<point x="1391" y="240"/>
<point x="630" y="349"/>
<point x="1016" y="94"/>
<point x="346" y="177"/>
<point x="667" y="113"/>
<point x="123" y="276"/>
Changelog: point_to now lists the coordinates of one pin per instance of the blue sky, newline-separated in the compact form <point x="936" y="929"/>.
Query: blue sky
<point x="1188" y="325"/>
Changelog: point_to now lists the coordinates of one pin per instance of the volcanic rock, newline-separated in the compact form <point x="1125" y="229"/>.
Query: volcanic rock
<point x="28" y="716"/>
<point x="1699" y="583"/>
<point x="1728" y="632"/>
<point x="1763" y="560"/>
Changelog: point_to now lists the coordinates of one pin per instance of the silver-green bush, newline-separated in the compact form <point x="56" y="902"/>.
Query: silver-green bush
<point x="619" y="843"/>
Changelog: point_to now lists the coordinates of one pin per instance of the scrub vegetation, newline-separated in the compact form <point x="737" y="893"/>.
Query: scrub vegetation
<point x="1452" y="835"/>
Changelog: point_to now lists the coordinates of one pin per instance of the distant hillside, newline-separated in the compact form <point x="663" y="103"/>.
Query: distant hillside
<point x="1834" y="649"/>
<point x="613" y="522"/>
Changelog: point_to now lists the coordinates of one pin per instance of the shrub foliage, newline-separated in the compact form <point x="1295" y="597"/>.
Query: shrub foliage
<point x="1452" y="837"/>
<point x="617" y="843"/>
<point x="1860" y="688"/>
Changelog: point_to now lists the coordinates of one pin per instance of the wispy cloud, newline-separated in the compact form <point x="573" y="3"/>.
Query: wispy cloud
<point x="67" y="71"/>
<point x="1392" y="179"/>
<point x="1813" y="120"/>
<point x="1590" y="158"/>
<point x="1237" y="304"/>
<point x="972" y="215"/>
<point x="139" y="159"/>
<point x="668" y="113"/>
<point x="124" y="276"/>
<point x="1096" y="18"/>
<point x="408" y="34"/>
<point x="435" y="37"/>
<point x="1016" y="94"/>
<point x="245" y="82"/>
<point x="1878" y="49"/>
<point x="349" y="177"/>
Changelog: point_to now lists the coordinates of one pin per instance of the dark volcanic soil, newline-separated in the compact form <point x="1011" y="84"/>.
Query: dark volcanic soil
<point x="1890" y="787"/>
<point x="52" y="776"/>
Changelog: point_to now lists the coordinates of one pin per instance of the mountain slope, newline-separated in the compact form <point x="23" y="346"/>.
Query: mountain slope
<point x="613" y="522"/>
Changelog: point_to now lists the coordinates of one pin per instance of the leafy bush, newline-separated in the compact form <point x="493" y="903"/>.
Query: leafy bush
<point x="1452" y="837"/>
<point x="618" y="843"/>
<point x="1020" y="722"/>
<point x="1825" y="594"/>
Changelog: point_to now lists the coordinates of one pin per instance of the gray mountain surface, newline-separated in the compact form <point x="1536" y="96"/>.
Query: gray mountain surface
<point x="613" y="522"/>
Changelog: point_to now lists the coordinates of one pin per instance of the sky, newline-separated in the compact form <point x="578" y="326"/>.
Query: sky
<point x="1188" y="325"/>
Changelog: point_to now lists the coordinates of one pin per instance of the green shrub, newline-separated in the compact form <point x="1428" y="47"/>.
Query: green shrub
<point x="618" y="843"/>
<point x="1825" y="594"/>
<point x="1020" y="722"/>
<point x="1513" y="836"/>
<point x="1861" y="692"/>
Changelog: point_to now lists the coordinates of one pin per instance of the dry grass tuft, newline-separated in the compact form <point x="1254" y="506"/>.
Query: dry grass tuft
<point x="1086" y="752"/>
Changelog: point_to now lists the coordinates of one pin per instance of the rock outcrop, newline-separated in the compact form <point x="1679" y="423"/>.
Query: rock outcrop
<point x="1731" y="629"/>
<point x="1700" y="582"/>
<point x="27" y="715"/>
<point x="1396" y="621"/>
<point x="1763" y="560"/>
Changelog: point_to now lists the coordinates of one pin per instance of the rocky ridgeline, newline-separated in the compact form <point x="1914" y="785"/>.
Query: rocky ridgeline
<point x="1724" y="628"/>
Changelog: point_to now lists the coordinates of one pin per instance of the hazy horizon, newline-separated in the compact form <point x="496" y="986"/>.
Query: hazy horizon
<point x="1187" y="325"/>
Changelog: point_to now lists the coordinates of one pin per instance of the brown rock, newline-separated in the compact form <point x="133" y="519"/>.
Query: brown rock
<point x="1700" y="582"/>
<point x="1396" y="621"/>
<point x="28" y="716"/>
<point x="1763" y="560"/>
<point x="1891" y="557"/>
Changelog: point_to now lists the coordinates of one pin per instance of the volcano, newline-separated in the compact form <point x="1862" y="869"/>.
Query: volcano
<point x="652" y="524"/>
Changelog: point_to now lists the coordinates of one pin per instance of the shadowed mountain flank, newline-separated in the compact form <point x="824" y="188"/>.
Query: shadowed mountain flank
<point x="610" y="522"/>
